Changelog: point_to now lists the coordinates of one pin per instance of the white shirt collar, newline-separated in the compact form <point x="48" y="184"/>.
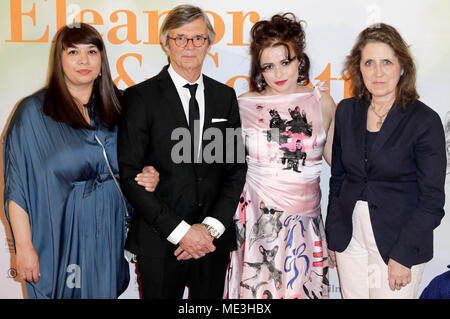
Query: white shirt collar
<point x="179" y="81"/>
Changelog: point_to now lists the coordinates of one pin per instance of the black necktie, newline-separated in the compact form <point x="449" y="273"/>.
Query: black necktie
<point x="194" y="118"/>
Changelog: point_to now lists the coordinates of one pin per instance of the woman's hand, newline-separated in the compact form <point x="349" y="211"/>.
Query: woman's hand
<point x="27" y="263"/>
<point x="27" y="259"/>
<point x="149" y="178"/>
<point x="399" y="276"/>
<point x="331" y="258"/>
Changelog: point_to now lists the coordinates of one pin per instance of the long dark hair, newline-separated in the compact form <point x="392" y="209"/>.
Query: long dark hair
<point x="59" y="104"/>
<point x="282" y="30"/>
<point x="380" y="32"/>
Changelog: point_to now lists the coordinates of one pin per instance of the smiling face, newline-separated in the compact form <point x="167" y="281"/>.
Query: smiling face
<point x="81" y="65"/>
<point x="279" y="72"/>
<point x="187" y="61"/>
<point x="380" y="69"/>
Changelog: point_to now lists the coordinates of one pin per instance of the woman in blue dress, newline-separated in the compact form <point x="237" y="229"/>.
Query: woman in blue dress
<point x="65" y="208"/>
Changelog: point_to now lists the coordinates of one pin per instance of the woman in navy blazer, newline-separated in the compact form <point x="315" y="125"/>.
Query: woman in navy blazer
<point x="388" y="173"/>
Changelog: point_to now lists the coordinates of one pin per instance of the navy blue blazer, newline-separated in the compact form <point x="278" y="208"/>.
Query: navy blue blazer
<point x="404" y="181"/>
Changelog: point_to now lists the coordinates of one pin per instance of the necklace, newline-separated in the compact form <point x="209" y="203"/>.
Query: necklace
<point x="380" y="117"/>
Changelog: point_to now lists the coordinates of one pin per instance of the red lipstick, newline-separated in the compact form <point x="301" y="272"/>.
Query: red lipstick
<point x="280" y="82"/>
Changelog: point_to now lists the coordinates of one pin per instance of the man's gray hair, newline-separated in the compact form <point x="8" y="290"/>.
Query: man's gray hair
<point x="182" y="15"/>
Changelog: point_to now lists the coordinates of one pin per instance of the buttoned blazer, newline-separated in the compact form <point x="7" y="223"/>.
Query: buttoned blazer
<point x="152" y="111"/>
<point x="404" y="180"/>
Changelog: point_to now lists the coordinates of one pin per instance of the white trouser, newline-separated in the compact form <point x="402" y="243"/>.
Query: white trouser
<point x="362" y="272"/>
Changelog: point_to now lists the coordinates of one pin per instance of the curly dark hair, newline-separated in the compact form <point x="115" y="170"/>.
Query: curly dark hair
<point x="380" y="32"/>
<point x="281" y="29"/>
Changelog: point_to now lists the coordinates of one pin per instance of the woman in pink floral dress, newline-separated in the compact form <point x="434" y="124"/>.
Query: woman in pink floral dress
<point x="288" y="127"/>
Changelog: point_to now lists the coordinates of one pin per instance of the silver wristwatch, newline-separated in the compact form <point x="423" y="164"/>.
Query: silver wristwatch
<point x="211" y="230"/>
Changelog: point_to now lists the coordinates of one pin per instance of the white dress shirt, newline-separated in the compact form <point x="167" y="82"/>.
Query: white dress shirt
<point x="178" y="233"/>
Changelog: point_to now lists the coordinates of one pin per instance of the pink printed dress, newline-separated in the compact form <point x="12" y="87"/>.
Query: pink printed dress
<point x="282" y="250"/>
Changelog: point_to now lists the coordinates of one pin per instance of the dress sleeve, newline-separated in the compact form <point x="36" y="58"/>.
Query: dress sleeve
<point x="15" y="157"/>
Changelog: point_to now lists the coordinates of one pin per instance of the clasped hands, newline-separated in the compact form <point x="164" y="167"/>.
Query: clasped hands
<point x="195" y="244"/>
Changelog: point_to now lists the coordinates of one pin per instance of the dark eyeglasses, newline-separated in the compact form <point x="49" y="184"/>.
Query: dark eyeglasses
<point x="182" y="41"/>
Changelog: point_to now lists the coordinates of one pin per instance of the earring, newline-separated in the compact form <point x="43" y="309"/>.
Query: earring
<point x="403" y="71"/>
<point x="260" y="82"/>
<point x="300" y="80"/>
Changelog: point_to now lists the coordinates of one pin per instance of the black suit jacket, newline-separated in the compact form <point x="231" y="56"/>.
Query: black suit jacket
<point x="404" y="181"/>
<point x="151" y="111"/>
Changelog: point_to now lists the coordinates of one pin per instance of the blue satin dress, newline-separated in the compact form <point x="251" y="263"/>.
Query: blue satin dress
<point x="60" y="177"/>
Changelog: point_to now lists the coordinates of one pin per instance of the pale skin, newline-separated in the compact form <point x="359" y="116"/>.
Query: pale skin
<point x="81" y="66"/>
<point x="188" y="62"/>
<point x="281" y="78"/>
<point x="381" y="71"/>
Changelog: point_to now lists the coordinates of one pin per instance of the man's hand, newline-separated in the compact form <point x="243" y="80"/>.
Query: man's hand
<point x="195" y="244"/>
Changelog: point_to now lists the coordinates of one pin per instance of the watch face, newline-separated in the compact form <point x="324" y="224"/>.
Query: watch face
<point x="213" y="232"/>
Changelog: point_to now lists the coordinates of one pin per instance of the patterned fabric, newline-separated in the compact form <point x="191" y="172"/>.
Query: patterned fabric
<point x="282" y="250"/>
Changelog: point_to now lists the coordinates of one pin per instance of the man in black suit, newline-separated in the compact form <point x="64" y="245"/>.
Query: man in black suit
<point x="183" y="232"/>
